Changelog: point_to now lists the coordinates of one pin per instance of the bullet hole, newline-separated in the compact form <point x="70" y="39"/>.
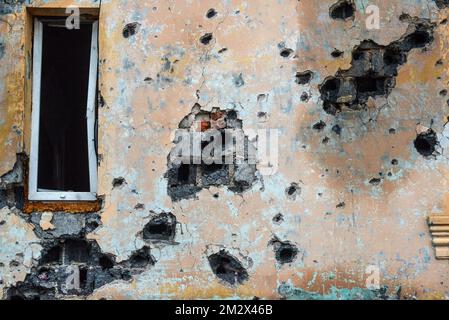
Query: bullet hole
<point x="130" y="29"/>
<point x="285" y="251"/>
<point x="222" y="50"/>
<point x="392" y="131"/>
<point x="337" y="53"/>
<point x="206" y="39"/>
<point x="211" y="13"/>
<point x="286" y="53"/>
<point x="293" y="191"/>
<point x="426" y="142"/>
<point x="118" y="182"/>
<point x="238" y="80"/>
<point x="305" y="97"/>
<point x="278" y="219"/>
<point x="443" y="93"/>
<point x="319" y="125"/>
<point x="185" y="180"/>
<point x="148" y="80"/>
<point x="341" y="205"/>
<point x="336" y="129"/>
<point x="404" y="17"/>
<point x="375" y="181"/>
<point x="161" y="227"/>
<point x="227" y="268"/>
<point x="139" y="206"/>
<point x="373" y="70"/>
<point x="142" y="258"/>
<point x="261" y="115"/>
<point x="444" y="21"/>
<point x="14" y="264"/>
<point x="342" y="10"/>
<point x="439" y="63"/>
<point x="91" y="223"/>
<point x="394" y="162"/>
<point x="303" y="78"/>
<point x="101" y="101"/>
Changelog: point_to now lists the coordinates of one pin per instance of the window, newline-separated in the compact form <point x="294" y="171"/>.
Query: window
<point x="63" y="159"/>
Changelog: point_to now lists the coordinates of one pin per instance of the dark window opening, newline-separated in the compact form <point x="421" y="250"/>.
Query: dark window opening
<point x="63" y="150"/>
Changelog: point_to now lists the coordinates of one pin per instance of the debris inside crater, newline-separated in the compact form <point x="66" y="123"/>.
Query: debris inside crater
<point x="232" y="168"/>
<point x="373" y="69"/>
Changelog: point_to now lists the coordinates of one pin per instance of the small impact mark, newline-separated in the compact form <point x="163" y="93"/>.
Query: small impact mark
<point x="285" y="251"/>
<point x="286" y="53"/>
<point x="293" y="191"/>
<point x="131" y="29"/>
<point x="228" y="268"/>
<point x="278" y="219"/>
<point x="206" y="38"/>
<point x="211" y="13"/>
<point x="118" y="182"/>
<point x="342" y="10"/>
<point x="426" y="143"/>
<point x="303" y="78"/>
<point x="160" y="228"/>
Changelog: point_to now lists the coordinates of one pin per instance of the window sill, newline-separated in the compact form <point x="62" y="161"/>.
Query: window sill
<point x="62" y="206"/>
<point x="62" y="196"/>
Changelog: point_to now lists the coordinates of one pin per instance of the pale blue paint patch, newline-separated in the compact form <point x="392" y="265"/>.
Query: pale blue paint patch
<point x="336" y="294"/>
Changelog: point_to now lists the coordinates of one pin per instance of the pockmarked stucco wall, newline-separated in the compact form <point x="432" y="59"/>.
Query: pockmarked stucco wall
<point x="360" y="169"/>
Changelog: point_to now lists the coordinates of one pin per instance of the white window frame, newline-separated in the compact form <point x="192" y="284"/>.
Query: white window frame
<point x="35" y="194"/>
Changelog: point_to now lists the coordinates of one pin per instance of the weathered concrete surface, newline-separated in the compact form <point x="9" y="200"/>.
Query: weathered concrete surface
<point x="356" y="207"/>
<point x="20" y="248"/>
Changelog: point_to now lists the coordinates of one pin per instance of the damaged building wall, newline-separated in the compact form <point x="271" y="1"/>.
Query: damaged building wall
<point x="353" y="189"/>
<point x="12" y="74"/>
